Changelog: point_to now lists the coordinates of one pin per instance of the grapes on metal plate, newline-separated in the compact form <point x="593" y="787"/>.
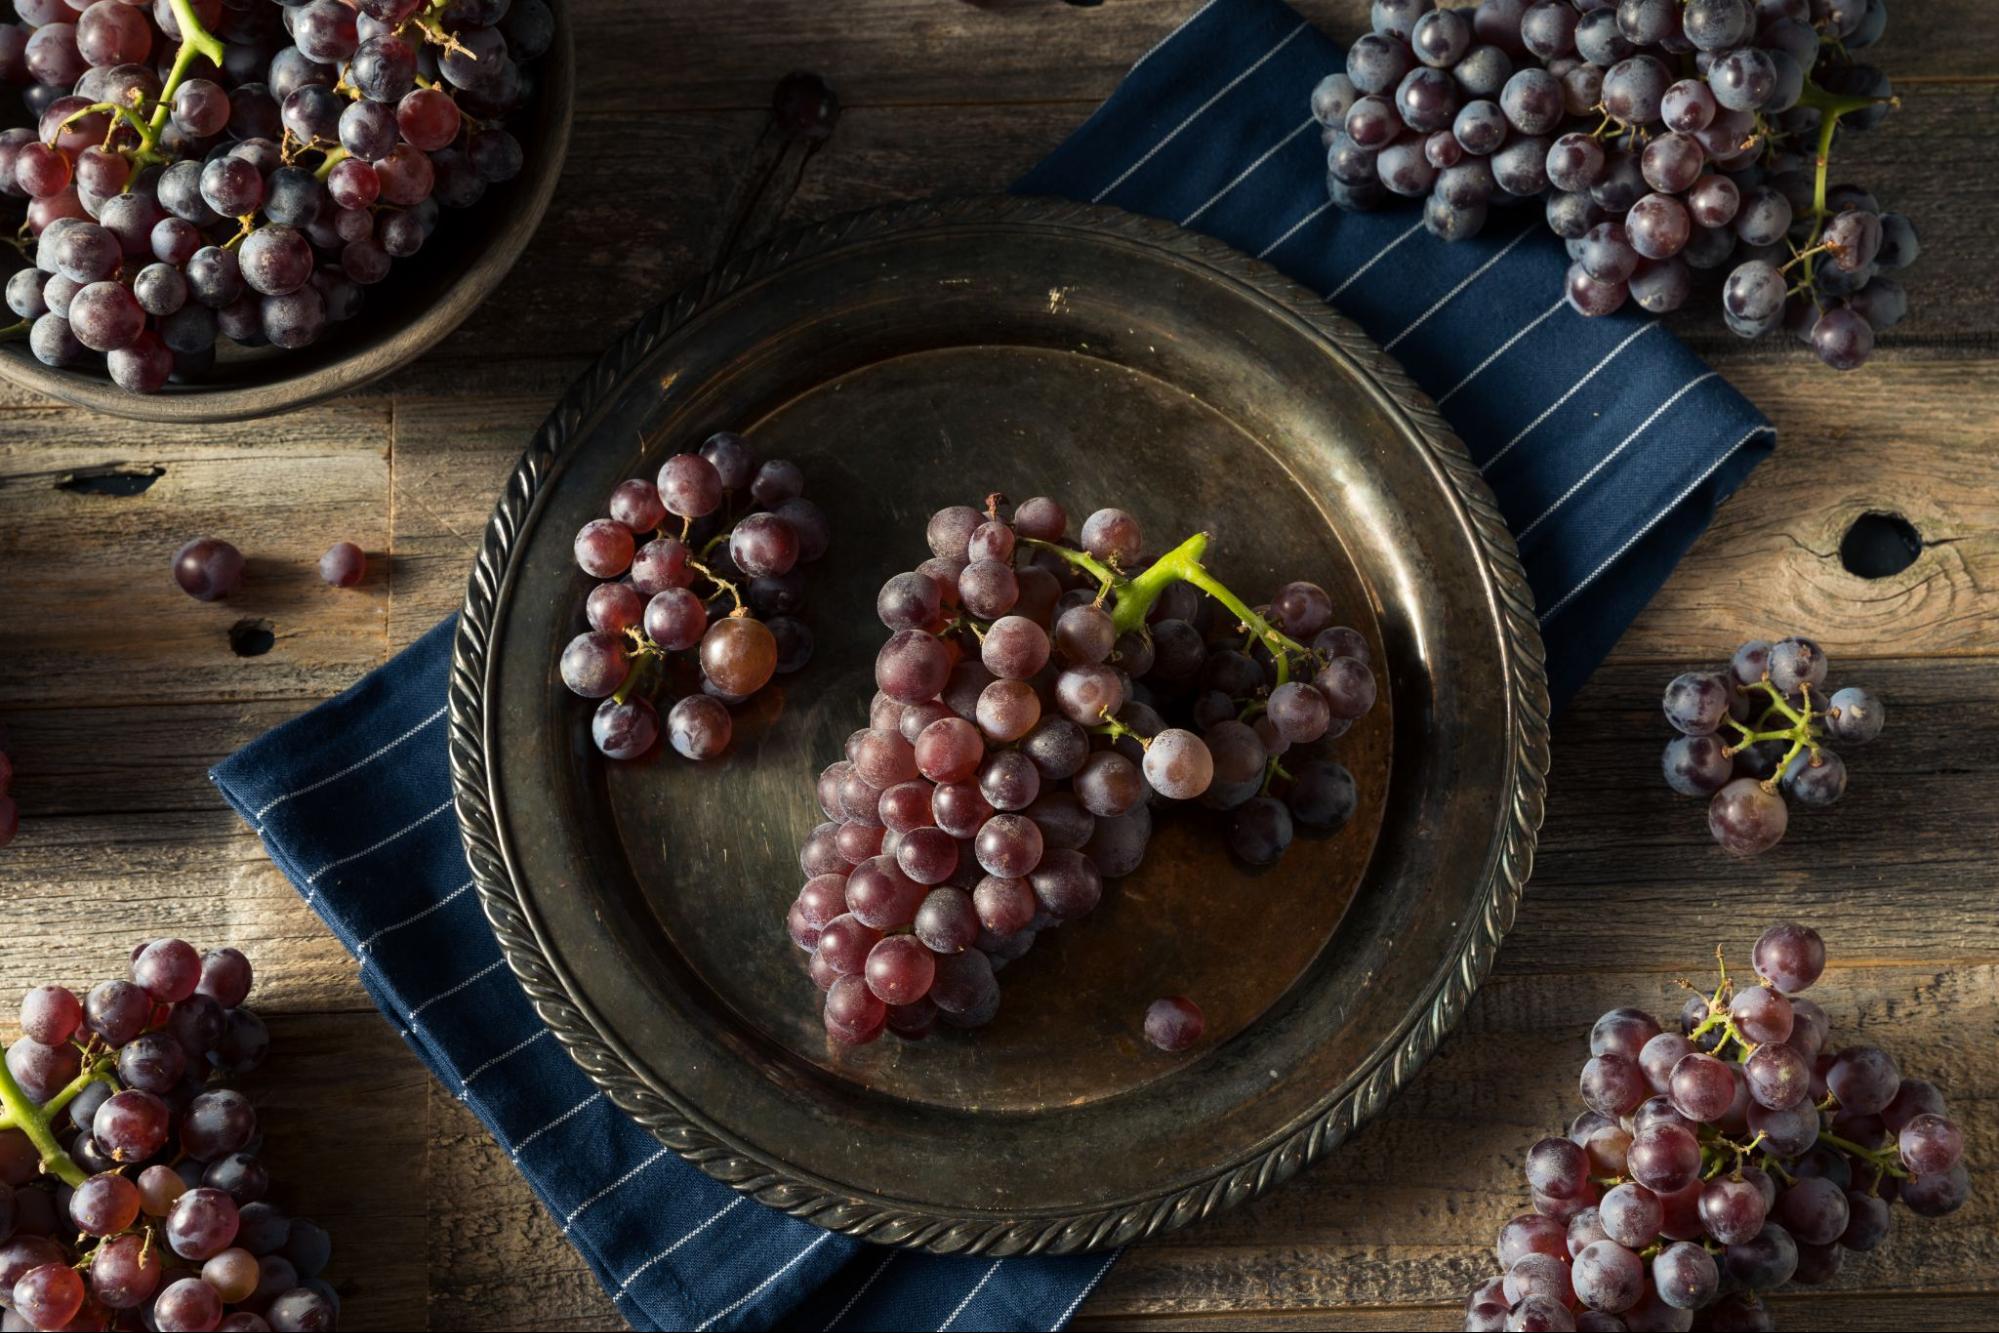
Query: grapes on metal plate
<point x="1040" y="700"/>
<point x="700" y="586"/>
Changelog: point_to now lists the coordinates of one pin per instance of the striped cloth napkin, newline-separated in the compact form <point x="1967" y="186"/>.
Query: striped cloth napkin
<point x="1607" y="443"/>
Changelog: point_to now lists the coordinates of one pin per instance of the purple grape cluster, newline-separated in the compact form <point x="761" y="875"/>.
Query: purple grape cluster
<point x="705" y="560"/>
<point x="131" y="1193"/>
<point x="1664" y="138"/>
<point x="242" y="168"/>
<point x="1774" y="700"/>
<point x="1719" y="1160"/>
<point x="1039" y="698"/>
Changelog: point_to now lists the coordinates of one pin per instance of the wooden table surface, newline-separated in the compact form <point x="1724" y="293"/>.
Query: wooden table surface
<point x="119" y="692"/>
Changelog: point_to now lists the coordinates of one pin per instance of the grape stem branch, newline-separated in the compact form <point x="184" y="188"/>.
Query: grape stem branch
<point x="1830" y="108"/>
<point x="1883" y="1159"/>
<point x="1117" y="730"/>
<point x="195" y="41"/>
<point x="1802" y="734"/>
<point x="20" y="1112"/>
<point x="1183" y="564"/>
<point x="1134" y="597"/>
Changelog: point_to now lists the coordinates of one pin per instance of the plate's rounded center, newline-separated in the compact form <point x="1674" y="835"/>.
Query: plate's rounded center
<point x="715" y="847"/>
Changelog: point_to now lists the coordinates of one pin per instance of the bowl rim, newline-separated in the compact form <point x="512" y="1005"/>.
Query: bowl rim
<point x="845" y="1209"/>
<point x="378" y="354"/>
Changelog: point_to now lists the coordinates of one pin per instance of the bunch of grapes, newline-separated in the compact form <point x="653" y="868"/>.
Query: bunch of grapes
<point x="131" y="1194"/>
<point x="243" y="168"/>
<point x="1781" y="753"/>
<point x="1720" y="1161"/>
<point x="725" y="585"/>
<point x="1036" y="701"/>
<point x="1665" y="136"/>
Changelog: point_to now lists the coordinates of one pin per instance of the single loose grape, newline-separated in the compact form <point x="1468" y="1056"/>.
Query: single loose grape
<point x="1174" y="1023"/>
<point x="344" y="565"/>
<point x="208" y="568"/>
<point x="739" y="655"/>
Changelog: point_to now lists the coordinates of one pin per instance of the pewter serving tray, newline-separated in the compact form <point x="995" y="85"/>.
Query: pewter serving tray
<point x="920" y="356"/>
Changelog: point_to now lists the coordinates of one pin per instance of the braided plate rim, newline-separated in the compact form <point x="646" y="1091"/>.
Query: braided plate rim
<point x="893" y="1222"/>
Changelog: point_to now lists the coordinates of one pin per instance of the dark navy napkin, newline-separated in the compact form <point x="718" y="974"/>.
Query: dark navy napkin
<point x="1607" y="442"/>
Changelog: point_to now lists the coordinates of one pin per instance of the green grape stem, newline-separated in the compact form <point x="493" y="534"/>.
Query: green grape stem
<point x="334" y="157"/>
<point x="1886" y="1159"/>
<point x="195" y="41"/>
<point x="1117" y="730"/>
<point x="722" y="585"/>
<point x="1135" y="596"/>
<point x="1082" y="560"/>
<point x="1727" y="1153"/>
<point x="638" y="677"/>
<point x="1804" y="734"/>
<point x="18" y="1111"/>
<point x="1717" y="1013"/>
<point x="1830" y="107"/>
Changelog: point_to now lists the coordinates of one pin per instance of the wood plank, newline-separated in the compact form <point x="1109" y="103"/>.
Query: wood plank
<point x="453" y="461"/>
<point x="1616" y="835"/>
<point x="1906" y="436"/>
<point x="81" y="890"/>
<point x="282" y="490"/>
<point x="1823" y="1309"/>
<point x="951" y="52"/>
<point x="84" y="878"/>
<point x="1393" y="1220"/>
<point x="663" y="232"/>
<point x="342" y="1105"/>
<point x="1768" y="566"/>
<point x="138" y="755"/>
<point x="620" y="237"/>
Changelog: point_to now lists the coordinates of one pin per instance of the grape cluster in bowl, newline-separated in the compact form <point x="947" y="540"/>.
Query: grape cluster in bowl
<point x="1781" y="752"/>
<point x="1039" y="699"/>
<point x="243" y="169"/>
<point x="1722" y="1158"/>
<point x="130" y="1186"/>
<point x="705" y="559"/>
<point x="1662" y="138"/>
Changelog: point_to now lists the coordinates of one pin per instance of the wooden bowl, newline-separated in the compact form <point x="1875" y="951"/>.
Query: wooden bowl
<point x="402" y="317"/>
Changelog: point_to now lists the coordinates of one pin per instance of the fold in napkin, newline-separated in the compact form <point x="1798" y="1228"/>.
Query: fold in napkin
<point x="1607" y="443"/>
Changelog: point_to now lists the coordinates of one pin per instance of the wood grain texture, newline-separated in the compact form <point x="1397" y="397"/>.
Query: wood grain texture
<point x="951" y="53"/>
<point x="119" y="693"/>
<point x="1824" y="1309"/>
<point x="882" y="154"/>
<point x="283" y="491"/>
